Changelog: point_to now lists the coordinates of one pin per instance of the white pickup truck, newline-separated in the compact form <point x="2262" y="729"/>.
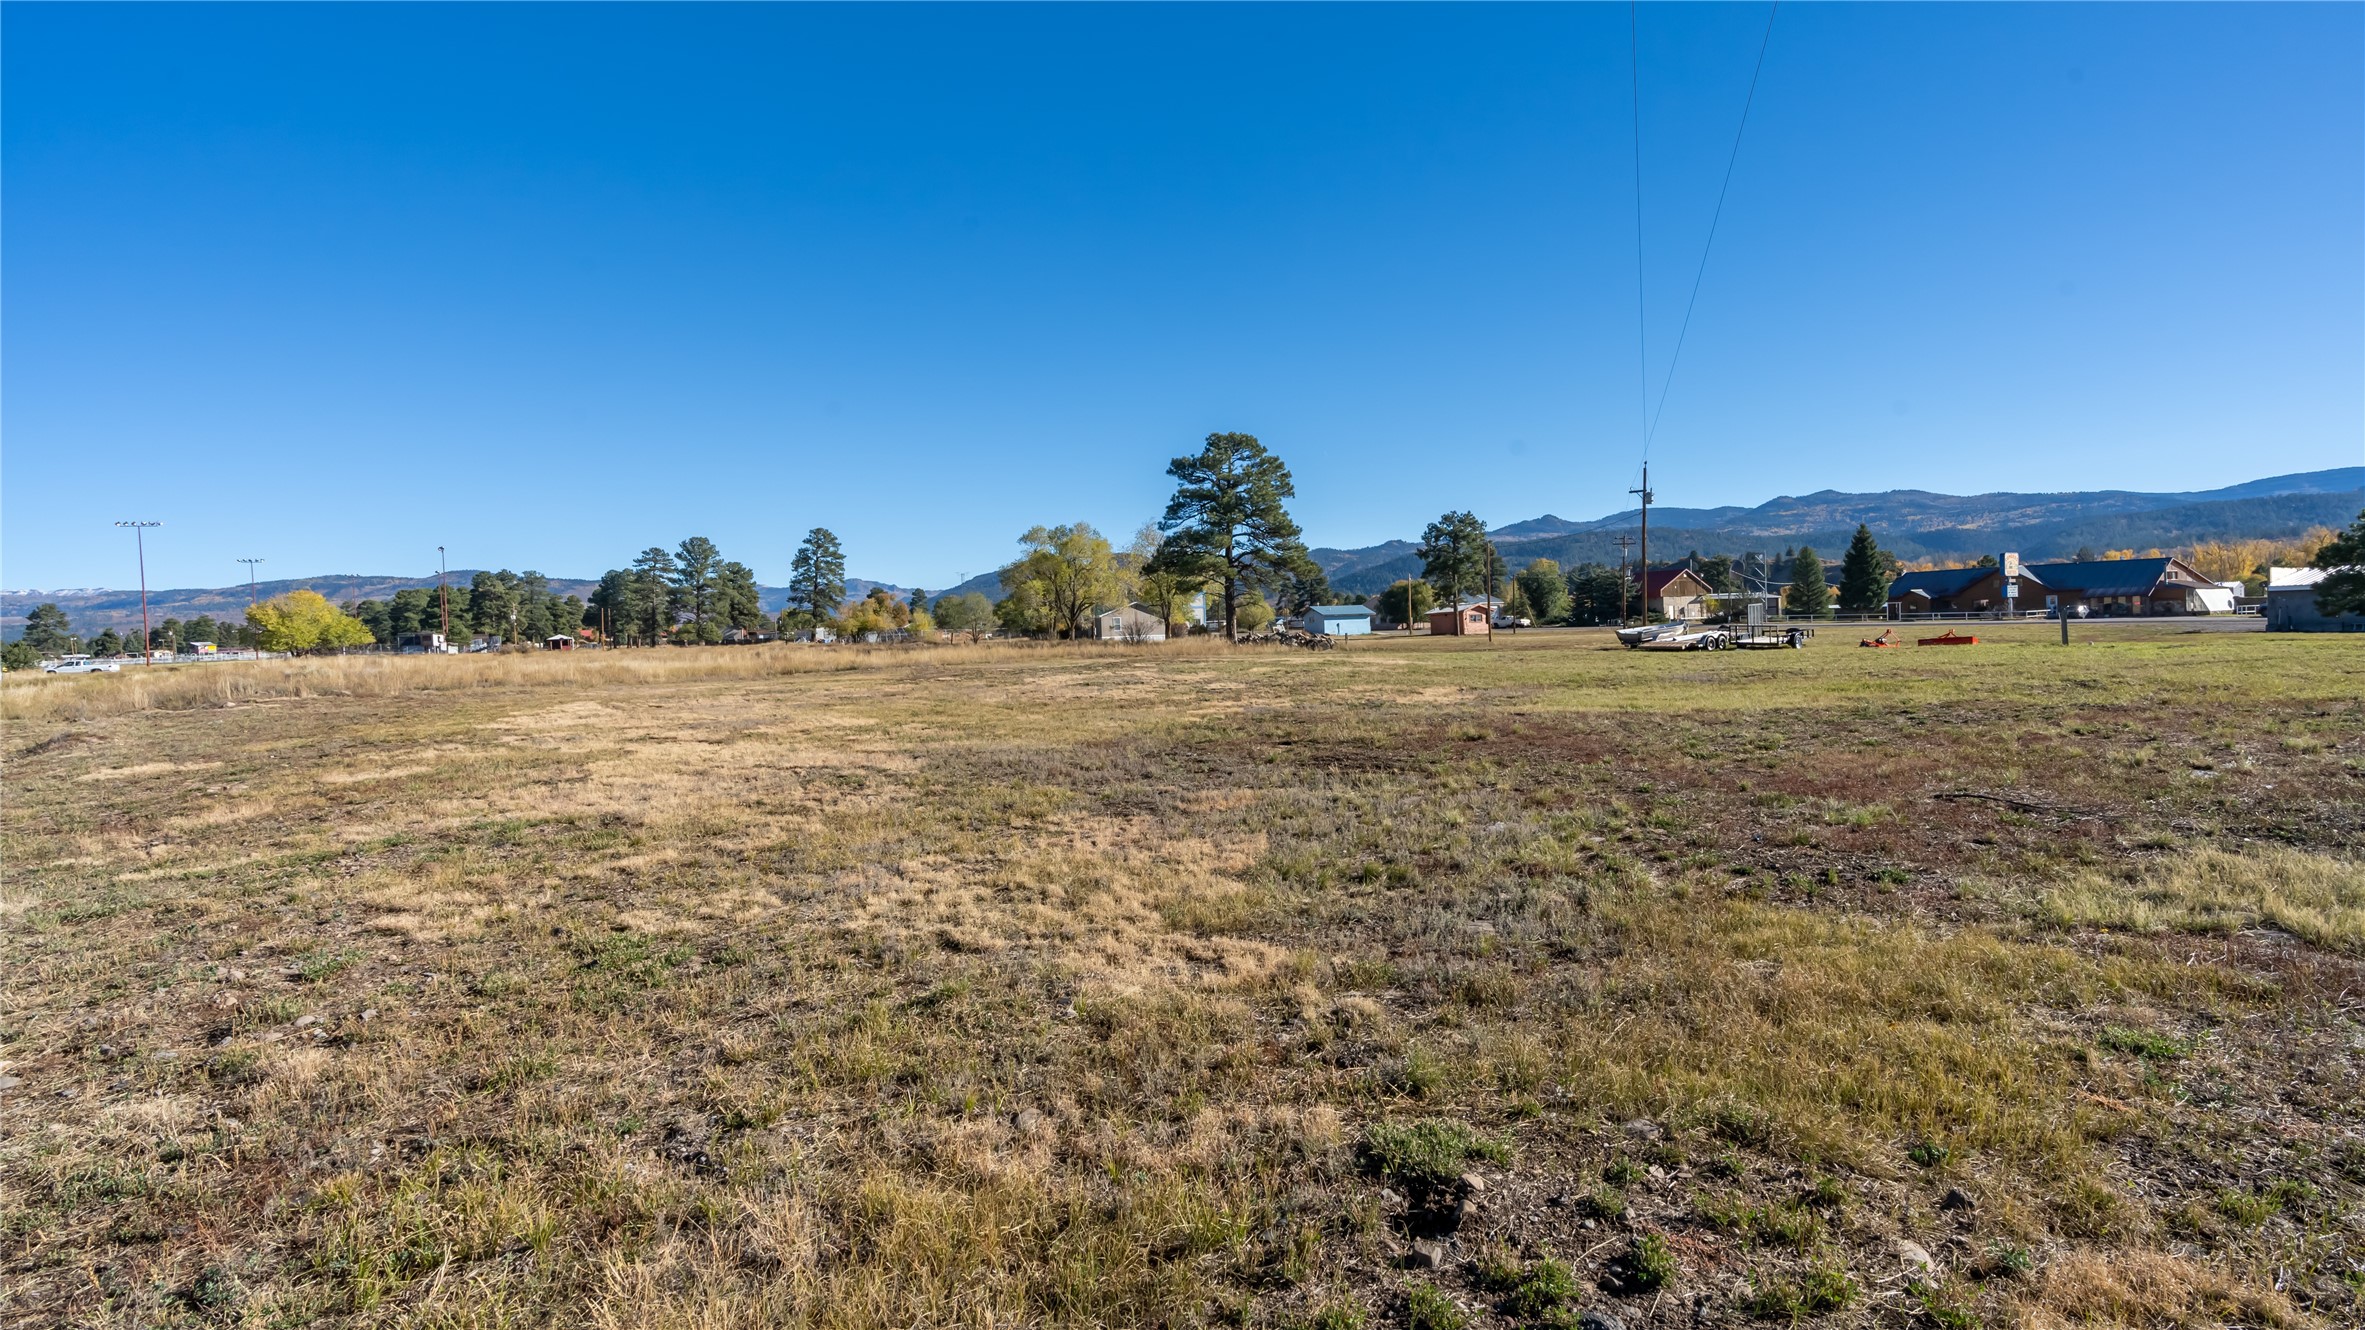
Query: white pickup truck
<point x="81" y="665"/>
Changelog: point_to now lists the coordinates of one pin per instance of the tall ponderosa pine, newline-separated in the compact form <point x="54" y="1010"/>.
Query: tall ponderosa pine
<point x="1227" y="520"/>
<point x="741" y="605"/>
<point x="1810" y="595"/>
<point x="1863" y="574"/>
<point x="2343" y="591"/>
<point x="1456" y="557"/>
<point x="652" y="599"/>
<point x="47" y="630"/>
<point x="697" y="564"/>
<point x="817" y="575"/>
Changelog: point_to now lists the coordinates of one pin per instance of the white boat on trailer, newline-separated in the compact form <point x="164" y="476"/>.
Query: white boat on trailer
<point x="1692" y="638"/>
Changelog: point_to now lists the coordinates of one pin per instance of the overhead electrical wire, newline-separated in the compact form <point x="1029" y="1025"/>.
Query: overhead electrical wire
<point x="1642" y="341"/>
<point x="1651" y="422"/>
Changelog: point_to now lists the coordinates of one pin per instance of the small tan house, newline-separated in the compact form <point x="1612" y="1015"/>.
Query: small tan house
<point x="1467" y="620"/>
<point x="1675" y="593"/>
<point x="1129" y="623"/>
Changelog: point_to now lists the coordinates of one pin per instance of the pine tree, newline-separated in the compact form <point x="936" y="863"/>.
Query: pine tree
<point x="817" y="575"/>
<point x="1227" y="520"/>
<point x="2343" y="591"/>
<point x="1809" y="595"/>
<point x="696" y="566"/>
<point x="47" y="630"/>
<point x="1456" y="556"/>
<point x="1863" y="584"/>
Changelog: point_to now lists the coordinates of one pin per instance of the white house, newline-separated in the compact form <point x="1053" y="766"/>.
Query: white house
<point x="1339" y="620"/>
<point x="1129" y="623"/>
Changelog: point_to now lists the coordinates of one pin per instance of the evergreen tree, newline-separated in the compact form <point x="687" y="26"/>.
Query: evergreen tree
<point x="492" y="605"/>
<point x="652" y="598"/>
<point x="18" y="656"/>
<point x="47" y="631"/>
<point x="2343" y="590"/>
<point x="376" y="615"/>
<point x="817" y="575"/>
<point x="1810" y="595"/>
<point x="107" y="643"/>
<point x="1718" y="573"/>
<point x="1598" y="594"/>
<point x="1863" y="575"/>
<point x="697" y="564"/>
<point x="1455" y="556"/>
<point x="1227" y="521"/>
<point x="741" y="604"/>
<point x="1305" y="587"/>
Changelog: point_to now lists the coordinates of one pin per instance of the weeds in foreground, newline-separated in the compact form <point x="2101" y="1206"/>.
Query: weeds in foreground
<point x="1430" y="1151"/>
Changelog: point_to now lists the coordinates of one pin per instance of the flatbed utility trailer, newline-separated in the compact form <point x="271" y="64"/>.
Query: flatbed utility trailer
<point x="1772" y="639"/>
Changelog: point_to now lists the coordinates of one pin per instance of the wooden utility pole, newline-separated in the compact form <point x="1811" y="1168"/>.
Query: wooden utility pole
<point x="1625" y="544"/>
<point x="1490" y="593"/>
<point x="1643" y="581"/>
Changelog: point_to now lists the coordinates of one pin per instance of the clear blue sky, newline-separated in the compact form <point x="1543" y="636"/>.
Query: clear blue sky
<point x="549" y="284"/>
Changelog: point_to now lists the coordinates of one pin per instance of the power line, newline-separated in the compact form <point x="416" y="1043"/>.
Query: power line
<point x="1642" y="344"/>
<point x="1652" y="430"/>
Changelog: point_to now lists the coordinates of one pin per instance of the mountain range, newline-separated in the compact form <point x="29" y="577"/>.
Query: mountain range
<point x="1913" y="524"/>
<point x="94" y="609"/>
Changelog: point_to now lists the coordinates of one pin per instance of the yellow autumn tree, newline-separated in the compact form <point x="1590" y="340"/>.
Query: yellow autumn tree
<point x="2244" y="560"/>
<point x="305" y="621"/>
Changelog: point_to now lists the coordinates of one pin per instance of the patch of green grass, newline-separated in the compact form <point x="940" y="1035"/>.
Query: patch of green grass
<point x="1946" y="1309"/>
<point x="1427" y="1308"/>
<point x="1527" y="1292"/>
<point x="1644" y="1267"/>
<point x="1821" y="1290"/>
<point x="2312" y="895"/>
<point x="2142" y="1043"/>
<point x="1428" y="1151"/>
<point x="1330" y="1316"/>
<point x="2248" y="1208"/>
<point x="318" y="965"/>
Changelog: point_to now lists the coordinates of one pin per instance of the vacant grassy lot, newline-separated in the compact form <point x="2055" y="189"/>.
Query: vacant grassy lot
<point x="1420" y="983"/>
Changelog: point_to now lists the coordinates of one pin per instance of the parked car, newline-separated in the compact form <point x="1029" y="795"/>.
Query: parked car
<point x="1513" y="621"/>
<point x="81" y="665"/>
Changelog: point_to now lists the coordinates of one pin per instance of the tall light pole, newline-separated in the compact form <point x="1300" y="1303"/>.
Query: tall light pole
<point x="443" y="595"/>
<point x="250" y="588"/>
<point x="139" y="534"/>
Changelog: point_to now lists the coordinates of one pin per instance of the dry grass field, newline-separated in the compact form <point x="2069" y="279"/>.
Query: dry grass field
<point x="1035" y="986"/>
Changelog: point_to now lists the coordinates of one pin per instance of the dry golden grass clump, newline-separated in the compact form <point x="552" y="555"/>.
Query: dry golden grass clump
<point x="1003" y="986"/>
